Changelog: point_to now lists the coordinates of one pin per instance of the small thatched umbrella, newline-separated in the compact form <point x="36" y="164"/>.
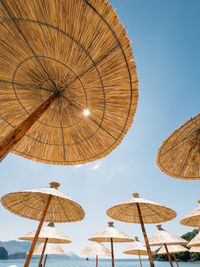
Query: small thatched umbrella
<point x="173" y="249"/>
<point x="179" y="154"/>
<point x="51" y="249"/>
<point x="96" y="249"/>
<point x="136" y="248"/>
<point x="194" y="249"/>
<point x="162" y="237"/>
<point x="68" y="82"/>
<point x="48" y="234"/>
<point x="46" y="204"/>
<point x="139" y="210"/>
<point x="195" y="242"/>
<point x="111" y="234"/>
<point x="192" y="218"/>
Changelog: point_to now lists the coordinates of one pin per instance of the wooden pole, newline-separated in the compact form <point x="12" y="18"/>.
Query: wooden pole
<point x="43" y="250"/>
<point x="112" y="252"/>
<point x="145" y="236"/>
<point x="28" y="258"/>
<point x="45" y="260"/>
<point x="176" y="260"/>
<point x="96" y="260"/>
<point x="140" y="259"/>
<point x="17" y="134"/>
<point x="170" y="261"/>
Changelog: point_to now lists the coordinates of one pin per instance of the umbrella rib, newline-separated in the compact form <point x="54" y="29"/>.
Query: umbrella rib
<point x="100" y="126"/>
<point x="62" y="133"/>
<point x="27" y="43"/>
<point x="185" y="163"/>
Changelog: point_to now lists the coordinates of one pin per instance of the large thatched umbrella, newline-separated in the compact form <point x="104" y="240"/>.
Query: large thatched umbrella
<point x="48" y="234"/>
<point x="46" y="204"/>
<point x="192" y="218"/>
<point x="111" y="234"/>
<point x="136" y="248"/>
<point x="172" y="249"/>
<point x="179" y="154"/>
<point x="96" y="249"/>
<point x="139" y="210"/>
<point x="50" y="249"/>
<point x="68" y="82"/>
<point x="162" y="237"/>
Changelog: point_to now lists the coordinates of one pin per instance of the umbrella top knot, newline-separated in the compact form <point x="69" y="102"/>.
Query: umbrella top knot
<point x="54" y="185"/>
<point x="159" y="226"/>
<point x="199" y="201"/>
<point x="135" y="195"/>
<point x="136" y="238"/>
<point x="110" y="224"/>
<point x="51" y="224"/>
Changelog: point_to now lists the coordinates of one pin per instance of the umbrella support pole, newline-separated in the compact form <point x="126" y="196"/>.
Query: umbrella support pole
<point x="17" y="134"/>
<point x="140" y="260"/>
<point x="169" y="258"/>
<point x="176" y="260"/>
<point x="28" y="258"/>
<point x="45" y="260"/>
<point x="145" y="236"/>
<point x="43" y="250"/>
<point x="112" y="252"/>
<point x="96" y="260"/>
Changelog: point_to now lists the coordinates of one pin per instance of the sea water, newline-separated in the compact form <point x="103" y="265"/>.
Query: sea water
<point x="91" y="263"/>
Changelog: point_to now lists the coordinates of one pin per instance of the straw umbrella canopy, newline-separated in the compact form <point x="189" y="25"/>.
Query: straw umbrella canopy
<point x="179" y="154"/>
<point x="51" y="249"/>
<point x="173" y="249"/>
<point x="195" y="242"/>
<point x="48" y="234"/>
<point x="136" y="248"/>
<point x="46" y="204"/>
<point x="194" y="250"/>
<point x="111" y="234"/>
<point x="139" y="210"/>
<point x="162" y="237"/>
<point x="96" y="249"/>
<point x="68" y="82"/>
<point x="192" y="218"/>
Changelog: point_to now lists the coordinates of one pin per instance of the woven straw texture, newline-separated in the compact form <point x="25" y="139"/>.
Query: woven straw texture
<point x="163" y="237"/>
<point x="151" y="212"/>
<point x="51" y="249"/>
<point x="136" y="248"/>
<point x="96" y="249"/>
<point x="172" y="249"/>
<point x="195" y="249"/>
<point x="179" y="154"/>
<point x="79" y="50"/>
<point x="195" y="242"/>
<point x="110" y="232"/>
<point x="192" y="218"/>
<point x="50" y="232"/>
<point x="30" y="204"/>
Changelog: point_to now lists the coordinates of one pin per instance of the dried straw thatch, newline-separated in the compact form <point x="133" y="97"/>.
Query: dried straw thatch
<point x="47" y="232"/>
<point x="172" y="249"/>
<point x="136" y="248"/>
<point x="163" y="237"/>
<point x="51" y="249"/>
<point x="194" y="249"/>
<point x="30" y="204"/>
<point x="151" y="211"/>
<point x="75" y="55"/>
<point x="96" y="249"/>
<point x="179" y="154"/>
<point x="195" y="242"/>
<point x="192" y="218"/>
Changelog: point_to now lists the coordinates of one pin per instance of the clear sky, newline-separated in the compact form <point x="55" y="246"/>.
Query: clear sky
<point x="166" y="46"/>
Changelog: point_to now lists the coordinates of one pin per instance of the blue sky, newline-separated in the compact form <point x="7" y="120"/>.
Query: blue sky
<point x="165" y="41"/>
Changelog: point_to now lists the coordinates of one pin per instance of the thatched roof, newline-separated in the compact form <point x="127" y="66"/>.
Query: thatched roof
<point x="192" y="218"/>
<point x="136" y="248"/>
<point x="172" y="249"/>
<point x="195" y="242"/>
<point x="96" y="249"/>
<point x="51" y="249"/>
<point x="79" y="52"/>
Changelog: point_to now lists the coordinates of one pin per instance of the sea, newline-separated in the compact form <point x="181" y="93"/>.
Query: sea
<point x="91" y="263"/>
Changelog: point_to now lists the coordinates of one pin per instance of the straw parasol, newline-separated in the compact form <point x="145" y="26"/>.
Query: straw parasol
<point x="195" y="242"/>
<point x="179" y="154"/>
<point x="192" y="218"/>
<point x="194" y="250"/>
<point x="68" y="82"/>
<point x="173" y="249"/>
<point x="139" y="210"/>
<point x="46" y="204"/>
<point x="48" y="234"/>
<point x="136" y="248"/>
<point x="51" y="249"/>
<point x="96" y="249"/>
<point x="162" y="237"/>
<point x="111" y="234"/>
